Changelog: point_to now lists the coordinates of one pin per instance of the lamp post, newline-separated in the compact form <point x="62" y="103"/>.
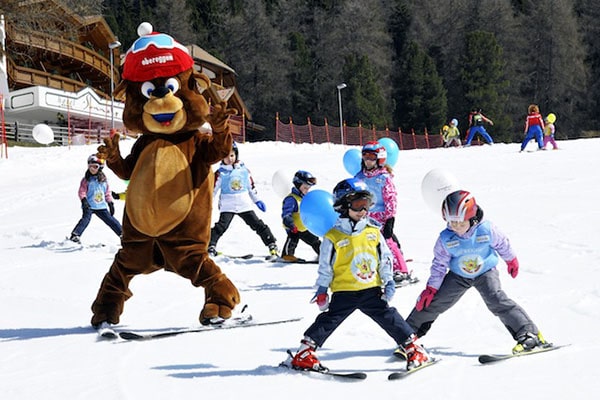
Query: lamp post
<point x="339" y="89"/>
<point x="111" y="47"/>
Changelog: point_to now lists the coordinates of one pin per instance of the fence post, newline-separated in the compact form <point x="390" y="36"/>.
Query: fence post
<point x="414" y="137"/>
<point x="310" y="130"/>
<point x="293" y="134"/>
<point x="327" y="131"/>
<point x="277" y="126"/>
<point x="400" y="138"/>
<point x="427" y="137"/>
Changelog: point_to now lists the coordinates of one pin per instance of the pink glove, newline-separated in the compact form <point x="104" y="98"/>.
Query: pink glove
<point x="513" y="267"/>
<point x="424" y="300"/>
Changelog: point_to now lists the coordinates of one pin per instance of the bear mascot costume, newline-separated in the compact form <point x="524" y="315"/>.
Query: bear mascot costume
<point x="166" y="222"/>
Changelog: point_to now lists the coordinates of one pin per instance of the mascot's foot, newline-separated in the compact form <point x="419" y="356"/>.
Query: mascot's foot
<point x="213" y="314"/>
<point x="221" y="297"/>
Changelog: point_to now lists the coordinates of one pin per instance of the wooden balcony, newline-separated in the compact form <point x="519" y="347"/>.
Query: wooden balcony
<point x="73" y="60"/>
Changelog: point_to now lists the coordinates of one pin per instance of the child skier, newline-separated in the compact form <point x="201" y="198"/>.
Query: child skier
<point x="534" y="127"/>
<point x="290" y="214"/>
<point x="236" y="187"/>
<point x="466" y="255"/>
<point x="96" y="198"/>
<point x="378" y="177"/>
<point x="452" y="134"/>
<point x="356" y="264"/>
<point x="549" y="131"/>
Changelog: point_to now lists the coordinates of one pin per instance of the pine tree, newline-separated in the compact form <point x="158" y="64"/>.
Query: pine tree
<point x="365" y="102"/>
<point x="419" y="96"/>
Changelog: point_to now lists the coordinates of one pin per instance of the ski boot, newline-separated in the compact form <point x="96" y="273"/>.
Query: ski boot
<point x="415" y="354"/>
<point x="305" y="358"/>
<point x="212" y="251"/>
<point x="401" y="277"/>
<point x="273" y="252"/>
<point x="74" y="238"/>
<point x="528" y="342"/>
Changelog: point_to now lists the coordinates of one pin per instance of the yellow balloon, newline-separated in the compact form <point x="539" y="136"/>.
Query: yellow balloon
<point x="551" y="118"/>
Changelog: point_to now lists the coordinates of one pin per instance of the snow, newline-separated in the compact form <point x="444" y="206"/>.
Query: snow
<point x="547" y="202"/>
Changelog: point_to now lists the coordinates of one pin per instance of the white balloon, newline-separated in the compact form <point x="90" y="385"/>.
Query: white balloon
<point x="282" y="182"/>
<point x="43" y="134"/>
<point x="436" y="185"/>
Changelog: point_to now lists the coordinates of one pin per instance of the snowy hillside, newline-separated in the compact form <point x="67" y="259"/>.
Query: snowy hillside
<point x="547" y="202"/>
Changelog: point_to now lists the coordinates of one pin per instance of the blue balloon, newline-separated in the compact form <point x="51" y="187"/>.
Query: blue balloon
<point x="352" y="161"/>
<point x="317" y="213"/>
<point x="391" y="147"/>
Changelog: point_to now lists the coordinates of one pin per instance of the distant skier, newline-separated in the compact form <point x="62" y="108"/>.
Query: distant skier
<point x="534" y="127"/>
<point x="476" y="125"/>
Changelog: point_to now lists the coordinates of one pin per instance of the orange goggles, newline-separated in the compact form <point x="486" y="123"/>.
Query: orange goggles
<point x="359" y="205"/>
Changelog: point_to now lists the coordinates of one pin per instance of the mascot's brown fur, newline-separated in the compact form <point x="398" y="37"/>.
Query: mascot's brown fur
<point x="166" y="224"/>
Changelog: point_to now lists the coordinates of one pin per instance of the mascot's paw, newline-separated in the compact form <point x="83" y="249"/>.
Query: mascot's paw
<point x="110" y="149"/>
<point x="221" y="298"/>
<point x="219" y="118"/>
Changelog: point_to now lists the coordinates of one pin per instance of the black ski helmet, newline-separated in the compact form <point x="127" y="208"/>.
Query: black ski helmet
<point x="347" y="190"/>
<point x="301" y="177"/>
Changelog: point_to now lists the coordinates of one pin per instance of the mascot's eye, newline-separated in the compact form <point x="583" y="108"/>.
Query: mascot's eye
<point x="172" y="84"/>
<point x="147" y="89"/>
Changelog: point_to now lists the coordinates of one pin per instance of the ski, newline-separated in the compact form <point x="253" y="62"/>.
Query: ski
<point x="492" y="358"/>
<point x="403" y="374"/>
<point x="323" y="371"/>
<point x="333" y="374"/>
<point x="296" y="261"/>
<point x="243" y="256"/>
<point x="131" y="335"/>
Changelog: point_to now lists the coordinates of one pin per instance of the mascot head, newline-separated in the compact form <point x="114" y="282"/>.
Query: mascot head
<point x="161" y="89"/>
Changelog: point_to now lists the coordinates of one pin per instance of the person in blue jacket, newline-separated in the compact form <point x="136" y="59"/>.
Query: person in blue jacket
<point x="96" y="198"/>
<point x="356" y="265"/>
<point x="290" y="215"/>
<point x="466" y="255"/>
<point x="238" y="196"/>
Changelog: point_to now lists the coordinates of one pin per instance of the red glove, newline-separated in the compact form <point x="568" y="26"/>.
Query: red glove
<point x="294" y="229"/>
<point x="321" y="298"/>
<point x="424" y="300"/>
<point x="513" y="267"/>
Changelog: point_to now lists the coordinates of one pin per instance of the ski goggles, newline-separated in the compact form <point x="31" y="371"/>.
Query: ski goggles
<point x="369" y="156"/>
<point x="358" y="205"/>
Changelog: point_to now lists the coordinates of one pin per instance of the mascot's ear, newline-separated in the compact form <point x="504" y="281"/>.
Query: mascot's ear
<point x="119" y="92"/>
<point x="199" y="81"/>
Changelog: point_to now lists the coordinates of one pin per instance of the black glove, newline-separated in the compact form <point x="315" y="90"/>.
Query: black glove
<point x="388" y="228"/>
<point x="115" y="195"/>
<point x="85" y="205"/>
<point x="111" y="207"/>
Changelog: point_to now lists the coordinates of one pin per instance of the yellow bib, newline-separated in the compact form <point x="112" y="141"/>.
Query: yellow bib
<point x="296" y="216"/>
<point x="356" y="263"/>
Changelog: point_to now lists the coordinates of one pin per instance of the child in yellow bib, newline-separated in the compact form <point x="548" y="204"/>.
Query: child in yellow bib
<point x="356" y="264"/>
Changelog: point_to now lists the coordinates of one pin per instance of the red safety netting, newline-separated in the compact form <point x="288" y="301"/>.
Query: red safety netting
<point x="357" y="136"/>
